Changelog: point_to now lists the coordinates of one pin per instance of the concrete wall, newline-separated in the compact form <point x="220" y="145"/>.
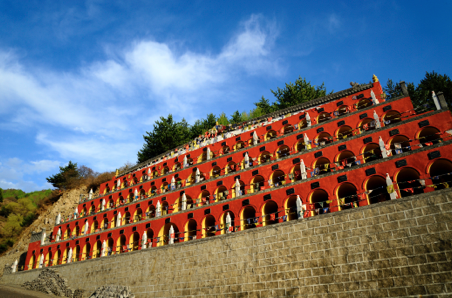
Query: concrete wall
<point x="396" y="248"/>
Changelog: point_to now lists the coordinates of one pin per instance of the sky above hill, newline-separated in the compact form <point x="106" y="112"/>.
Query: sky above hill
<point x="84" y="80"/>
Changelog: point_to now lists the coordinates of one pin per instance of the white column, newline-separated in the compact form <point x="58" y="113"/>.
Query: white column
<point x="436" y="101"/>
<point x="299" y="209"/>
<point x="171" y="235"/>
<point x="374" y="98"/>
<point x="382" y="148"/>
<point x="389" y="183"/>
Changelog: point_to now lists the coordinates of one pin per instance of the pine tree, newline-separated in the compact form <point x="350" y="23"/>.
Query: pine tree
<point x="166" y="135"/>
<point x="301" y="91"/>
<point x="236" y="118"/>
<point x="65" y="177"/>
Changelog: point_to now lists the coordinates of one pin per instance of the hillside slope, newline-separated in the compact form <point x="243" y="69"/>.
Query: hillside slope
<point x="65" y="205"/>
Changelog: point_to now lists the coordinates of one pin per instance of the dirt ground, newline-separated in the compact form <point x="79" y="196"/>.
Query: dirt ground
<point x="17" y="292"/>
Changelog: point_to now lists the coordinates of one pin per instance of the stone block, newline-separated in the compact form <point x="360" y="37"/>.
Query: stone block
<point x="397" y="292"/>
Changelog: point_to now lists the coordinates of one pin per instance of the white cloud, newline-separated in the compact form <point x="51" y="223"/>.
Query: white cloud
<point x="16" y="173"/>
<point x="97" y="114"/>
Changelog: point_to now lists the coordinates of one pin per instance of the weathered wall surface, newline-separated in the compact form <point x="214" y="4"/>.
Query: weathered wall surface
<point x="392" y="249"/>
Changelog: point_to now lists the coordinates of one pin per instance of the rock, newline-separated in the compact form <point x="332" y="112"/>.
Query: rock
<point x="113" y="291"/>
<point x="50" y="282"/>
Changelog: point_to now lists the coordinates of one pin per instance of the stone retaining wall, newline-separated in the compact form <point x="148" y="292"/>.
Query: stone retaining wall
<point x="391" y="249"/>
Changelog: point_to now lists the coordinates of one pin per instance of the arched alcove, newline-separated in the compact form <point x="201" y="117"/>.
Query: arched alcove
<point x="126" y="218"/>
<point x="138" y="215"/>
<point x="221" y="193"/>
<point x="323" y="138"/>
<point x="392" y="116"/>
<point x="216" y="172"/>
<point x="264" y="157"/>
<point x="366" y="125"/>
<point x="230" y="167"/>
<point x="319" y="198"/>
<point x="282" y="151"/>
<point x="346" y="159"/>
<point x="302" y="124"/>
<point x="225" y="150"/>
<point x="278" y="178"/>
<point x="191" y="230"/>
<point x="379" y="193"/>
<point x="209" y="228"/>
<point x="256" y="183"/>
<point x="347" y="194"/>
<point x="344" y="132"/>
<point x="110" y="249"/>
<point x="363" y="103"/>
<point x="152" y="190"/>
<point x="223" y="221"/>
<point x="177" y="166"/>
<point x="97" y="249"/>
<point x="429" y="136"/>
<point x="371" y="152"/>
<point x="76" y="253"/>
<point x="150" y="212"/>
<point x="165" y="170"/>
<point x="94" y="226"/>
<point x="271" y="134"/>
<point x="287" y="129"/>
<point x="150" y="238"/>
<point x="239" y="145"/>
<point x="164" y="234"/>
<point x="165" y="208"/>
<point x="408" y="182"/>
<point x="300" y="146"/>
<point x="134" y="242"/>
<point x="323" y="116"/>
<point x="291" y="208"/>
<point x="86" y="254"/>
<point x="295" y="174"/>
<point x="242" y="189"/>
<point x="323" y="165"/>
<point x="269" y="212"/>
<point x="247" y="218"/>
<point x="342" y="110"/>
<point x="400" y="144"/>
<point x="441" y="173"/>
<point x="122" y="244"/>
<point x="204" y="197"/>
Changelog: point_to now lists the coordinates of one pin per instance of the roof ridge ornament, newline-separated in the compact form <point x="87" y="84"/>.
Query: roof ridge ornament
<point x="374" y="78"/>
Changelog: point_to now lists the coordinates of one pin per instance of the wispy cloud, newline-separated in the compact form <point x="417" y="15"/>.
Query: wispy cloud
<point x="97" y="114"/>
<point x="16" y="173"/>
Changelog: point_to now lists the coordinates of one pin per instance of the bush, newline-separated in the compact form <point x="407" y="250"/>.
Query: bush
<point x="28" y="220"/>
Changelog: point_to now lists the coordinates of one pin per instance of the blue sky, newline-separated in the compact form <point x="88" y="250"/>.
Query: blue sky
<point x="84" y="80"/>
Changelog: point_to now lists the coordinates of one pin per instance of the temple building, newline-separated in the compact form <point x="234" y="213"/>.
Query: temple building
<point x="346" y="150"/>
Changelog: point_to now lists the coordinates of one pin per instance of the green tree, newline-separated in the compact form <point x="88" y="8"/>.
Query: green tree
<point x="166" y="135"/>
<point x="433" y="82"/>
<point x="422" y="93"/>
<point x="392" y="89"/>
<point x="264" y="106"/>
<point x="301" y="91"/>
<point x="236" y="117"/>
<point x="65" y="177"/>
<point x="223" y="119"/>
<point x="1" y="195"/>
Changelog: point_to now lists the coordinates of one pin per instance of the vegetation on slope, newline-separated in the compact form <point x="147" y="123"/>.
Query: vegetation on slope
<point x="18" y="209"/>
